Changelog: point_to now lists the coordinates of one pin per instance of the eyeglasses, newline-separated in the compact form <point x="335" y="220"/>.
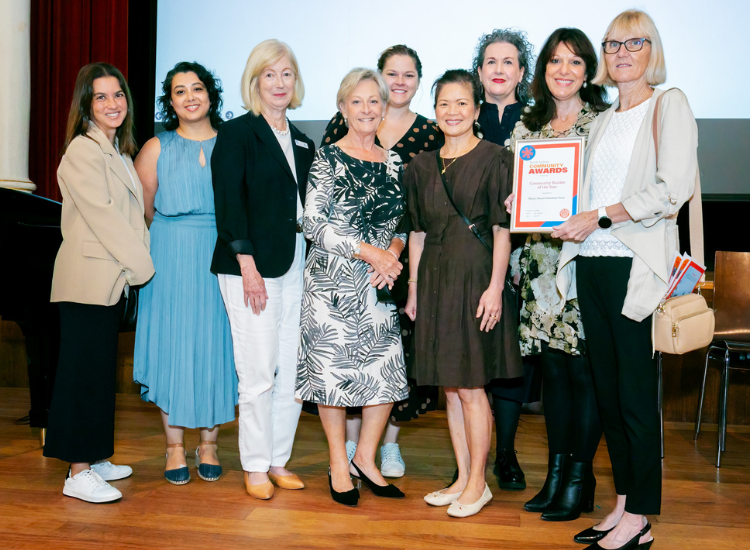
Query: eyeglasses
<point x="631" y="44"/>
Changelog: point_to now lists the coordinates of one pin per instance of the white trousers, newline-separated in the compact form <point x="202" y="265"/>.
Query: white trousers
<point x="265" y="356"/>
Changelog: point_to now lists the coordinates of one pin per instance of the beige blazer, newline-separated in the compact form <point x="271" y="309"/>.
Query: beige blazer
<point x="652" y="195"/>
<point x="105" y="240"/>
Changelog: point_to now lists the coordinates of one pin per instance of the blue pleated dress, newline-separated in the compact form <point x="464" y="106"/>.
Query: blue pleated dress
<point x="183" y="345"/>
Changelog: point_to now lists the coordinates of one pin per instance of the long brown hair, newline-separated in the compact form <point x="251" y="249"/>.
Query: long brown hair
<point x="79" y="119"/>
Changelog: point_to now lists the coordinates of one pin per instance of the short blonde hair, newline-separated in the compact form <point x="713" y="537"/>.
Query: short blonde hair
<point x="263" y="56"/>
<point x="353" y="78"/>
<point x="634" y="24"/>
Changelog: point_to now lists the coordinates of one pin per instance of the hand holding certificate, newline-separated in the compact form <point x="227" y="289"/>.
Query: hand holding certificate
<point x="547" y="174"/>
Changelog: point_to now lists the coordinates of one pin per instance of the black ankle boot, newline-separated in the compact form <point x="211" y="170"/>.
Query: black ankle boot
<point x="576" y="493"/>
<point x="551" y="485"/>
<point x="508" y="471"/>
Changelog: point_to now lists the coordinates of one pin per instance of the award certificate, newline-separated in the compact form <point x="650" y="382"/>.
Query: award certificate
<point x="547" y="174"/>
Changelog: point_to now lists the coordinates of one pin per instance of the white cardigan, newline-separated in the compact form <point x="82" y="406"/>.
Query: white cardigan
<point x="651" y="195"/>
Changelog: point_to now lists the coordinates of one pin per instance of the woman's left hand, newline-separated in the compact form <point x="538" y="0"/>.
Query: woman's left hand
<point x="490" y="308"/>
<point x="578" y="227"/>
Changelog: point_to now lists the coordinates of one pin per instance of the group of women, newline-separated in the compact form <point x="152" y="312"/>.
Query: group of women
<point x="334" y="325"/>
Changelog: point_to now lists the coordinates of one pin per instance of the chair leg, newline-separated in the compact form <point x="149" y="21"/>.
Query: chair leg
<point x="721" y="425"/>
<point x="725" y="416"/>
<point x="661" y="399"/>
<point x="703" y="394"/>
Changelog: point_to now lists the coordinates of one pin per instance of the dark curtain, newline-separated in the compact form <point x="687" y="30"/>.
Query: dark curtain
<point x="65" y="36"/>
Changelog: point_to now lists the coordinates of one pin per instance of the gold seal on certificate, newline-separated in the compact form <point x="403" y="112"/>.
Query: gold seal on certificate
<point x="546" y="177"/>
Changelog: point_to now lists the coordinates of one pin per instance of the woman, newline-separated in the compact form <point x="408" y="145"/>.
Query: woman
<point x="408" y="134"/>
<point x="623" y="240"/>
<point x="260" y="166"/>
<point x="104" y="252"/>
<point x="565" y="105"/>
<point x="350" y="352"/>
<point x="462" y="340"/>
<point x="503" y="63"/>
<point x="183" y="346"/>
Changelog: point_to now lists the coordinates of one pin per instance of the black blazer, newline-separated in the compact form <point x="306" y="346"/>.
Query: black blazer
<point x="254" y="193"/>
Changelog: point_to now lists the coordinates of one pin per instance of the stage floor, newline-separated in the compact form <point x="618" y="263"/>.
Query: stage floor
<point x="703" y="508"/>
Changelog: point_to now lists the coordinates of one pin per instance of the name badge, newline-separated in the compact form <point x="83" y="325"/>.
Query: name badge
<point x="301" y="143"/>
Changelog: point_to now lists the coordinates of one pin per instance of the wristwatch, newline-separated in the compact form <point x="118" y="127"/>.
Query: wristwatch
<point x="604" y="221"/>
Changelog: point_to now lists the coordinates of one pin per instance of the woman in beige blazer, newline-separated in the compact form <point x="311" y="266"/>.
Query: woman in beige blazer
<point x="105" y="250"/>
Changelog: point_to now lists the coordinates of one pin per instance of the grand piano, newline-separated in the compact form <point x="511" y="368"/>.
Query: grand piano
<point x="29" y="239"/>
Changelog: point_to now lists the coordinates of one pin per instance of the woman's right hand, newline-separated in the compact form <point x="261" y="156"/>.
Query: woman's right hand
<point x="253" y="285"/>
<point x="411" y="302"/>
<point x="509" y="203"/>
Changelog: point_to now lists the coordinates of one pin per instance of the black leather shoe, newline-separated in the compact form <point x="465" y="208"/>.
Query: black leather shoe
<point x="632" y="544"/>
<point x="576" y="493"/>
<point x="508" y="471"/>
<point x="347" y="498"/>
<point x="551" y="485"/>
<point x="587" y="536"/>
<point x="387" y="491"/>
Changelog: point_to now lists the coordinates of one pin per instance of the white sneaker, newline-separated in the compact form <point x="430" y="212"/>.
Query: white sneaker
<point x="391" y="463"/>
<point x="351" y="448"/>
<point x="110" y="472"/>
<point x="89" y="486"/>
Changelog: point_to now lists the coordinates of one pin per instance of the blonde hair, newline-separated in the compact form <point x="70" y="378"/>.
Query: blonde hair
<point x="263" y="56"/>
<point x="634" y="24"/>
<point x="353" y="79"/>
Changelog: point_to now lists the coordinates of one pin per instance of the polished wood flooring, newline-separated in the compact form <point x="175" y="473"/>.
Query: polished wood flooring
<point x="703" y="508"/>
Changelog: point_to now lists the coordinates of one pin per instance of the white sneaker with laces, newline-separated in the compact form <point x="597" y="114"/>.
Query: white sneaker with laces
<point x="110" y="472"/>
<point x="89" y="486"/>
<point x="351" y="448"/>
<point x="391" y="463"/>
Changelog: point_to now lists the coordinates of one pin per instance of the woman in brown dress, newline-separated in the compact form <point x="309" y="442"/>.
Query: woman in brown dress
<point x="462" y="339"/>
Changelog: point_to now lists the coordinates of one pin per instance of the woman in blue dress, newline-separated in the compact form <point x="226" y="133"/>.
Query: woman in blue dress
<point x="183" y="346"/>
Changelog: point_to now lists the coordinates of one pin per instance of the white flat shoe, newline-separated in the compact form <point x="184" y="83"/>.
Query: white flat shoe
<point x="89" y="486"/>
<point x="458" y="510"/>
<point x="110" y="472"/>
<point x="440" y="498"/>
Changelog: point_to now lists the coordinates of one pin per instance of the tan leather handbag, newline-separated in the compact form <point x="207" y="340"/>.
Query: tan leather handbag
<point x="683" y="323"/>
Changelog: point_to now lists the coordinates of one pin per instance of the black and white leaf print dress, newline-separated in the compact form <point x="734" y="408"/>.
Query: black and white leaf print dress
<point x="350" y="350"/>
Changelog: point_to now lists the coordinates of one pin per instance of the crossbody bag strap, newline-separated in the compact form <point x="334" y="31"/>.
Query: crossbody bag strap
<point x="695" y="205"/>
<point x="472" y="226"/>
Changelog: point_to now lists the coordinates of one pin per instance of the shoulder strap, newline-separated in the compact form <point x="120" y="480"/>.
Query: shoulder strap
<point x="695" y="206"/>
<point x="472" y="226"/>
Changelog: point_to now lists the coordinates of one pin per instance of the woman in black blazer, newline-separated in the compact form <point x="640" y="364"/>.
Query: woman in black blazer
<point x="260" y="165"/>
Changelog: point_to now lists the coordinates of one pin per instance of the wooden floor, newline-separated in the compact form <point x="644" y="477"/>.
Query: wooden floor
<point x="702" y="507"/>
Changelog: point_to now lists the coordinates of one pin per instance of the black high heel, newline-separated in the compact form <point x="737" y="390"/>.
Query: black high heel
<point x="551" y="485"/>
<point x="347" y="498"/>
<point x="387" y="491"/>
<point x="587" y="536"/>
<point x="576" y="493"/>
<point x="632" y="544"/>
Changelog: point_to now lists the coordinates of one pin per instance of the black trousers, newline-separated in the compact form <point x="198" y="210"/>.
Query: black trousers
<point x="625" y="380"/>
<point x="82" y="415"/>
<point x="570" y="410"/>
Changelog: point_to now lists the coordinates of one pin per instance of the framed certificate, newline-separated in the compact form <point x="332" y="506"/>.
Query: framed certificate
<point x="546" y="177"/>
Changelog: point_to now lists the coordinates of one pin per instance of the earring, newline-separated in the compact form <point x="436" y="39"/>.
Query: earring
<point x="346" y="122"/>
<point x="585" y="83"/>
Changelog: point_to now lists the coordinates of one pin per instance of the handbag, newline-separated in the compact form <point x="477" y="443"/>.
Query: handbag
<point x="683" y="323"/>
<point x="130" y="311"/>
<point x="473" y="227"/>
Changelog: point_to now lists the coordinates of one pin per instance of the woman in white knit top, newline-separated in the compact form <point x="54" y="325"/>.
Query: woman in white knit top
<point x="624" y="239"/>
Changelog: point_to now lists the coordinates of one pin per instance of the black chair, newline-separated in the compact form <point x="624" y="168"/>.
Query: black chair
<point x="732" y="333"/>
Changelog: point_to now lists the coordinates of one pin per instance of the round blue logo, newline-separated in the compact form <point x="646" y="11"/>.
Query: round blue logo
<point x="528" y="152"/>
<point x="158" y="115"/>
<point x="229" y="115"/>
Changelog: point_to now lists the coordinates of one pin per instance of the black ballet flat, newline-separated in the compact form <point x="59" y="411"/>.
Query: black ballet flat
<point x="347" y="498"/>
<point x="387" y="491"/>
<point x="632" y="544"/>
<point x="587" y="536"/>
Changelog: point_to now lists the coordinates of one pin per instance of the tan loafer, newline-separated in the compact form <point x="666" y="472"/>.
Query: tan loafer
<point x="286" y="482"/>
<point x="263" y="491"/>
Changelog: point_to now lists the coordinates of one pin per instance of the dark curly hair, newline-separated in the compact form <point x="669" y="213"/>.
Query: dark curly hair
<point x="514" y="37"/>
<point x="544" y="110"/>
<point x="458" y="76"/>
<point x="400" y="49"/>
<point x="213" y="87"/>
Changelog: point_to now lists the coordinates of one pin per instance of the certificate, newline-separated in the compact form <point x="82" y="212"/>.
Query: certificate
<point x="546" y="177"/>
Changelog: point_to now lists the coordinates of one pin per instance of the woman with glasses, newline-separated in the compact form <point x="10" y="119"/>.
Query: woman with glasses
<point x="622" y="241"/>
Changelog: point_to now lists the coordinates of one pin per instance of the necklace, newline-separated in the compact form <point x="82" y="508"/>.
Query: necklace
<point x="446" y="166"/>
<point x="280" y="132"/>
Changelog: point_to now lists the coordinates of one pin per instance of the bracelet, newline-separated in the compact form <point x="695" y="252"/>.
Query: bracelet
<point x="392" y="252"/>
<point x="411" y="281"/>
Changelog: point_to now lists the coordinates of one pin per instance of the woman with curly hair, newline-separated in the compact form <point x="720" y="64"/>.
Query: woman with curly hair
<point x="183" y="346"/>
